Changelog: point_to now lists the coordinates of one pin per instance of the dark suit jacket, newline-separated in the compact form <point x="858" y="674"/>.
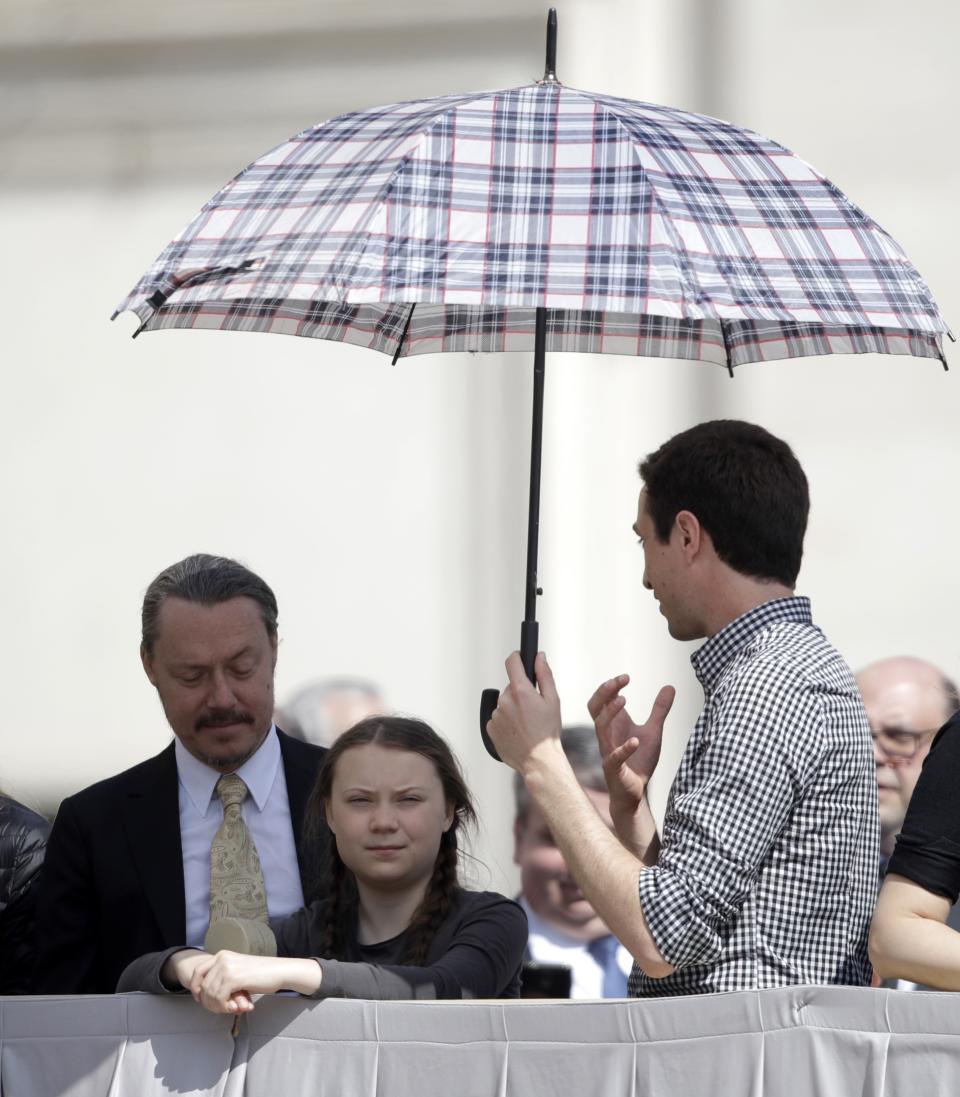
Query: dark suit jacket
<point x="112" y="885"/>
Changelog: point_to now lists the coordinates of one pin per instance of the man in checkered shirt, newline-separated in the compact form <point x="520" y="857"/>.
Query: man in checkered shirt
<point x="765" y="873"/>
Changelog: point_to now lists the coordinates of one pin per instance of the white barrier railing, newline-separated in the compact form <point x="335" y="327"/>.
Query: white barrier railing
<point x="797" y="1042"/>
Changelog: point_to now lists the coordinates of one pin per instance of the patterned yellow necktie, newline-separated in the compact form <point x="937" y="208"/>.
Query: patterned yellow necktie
<point x="236" y="879"/>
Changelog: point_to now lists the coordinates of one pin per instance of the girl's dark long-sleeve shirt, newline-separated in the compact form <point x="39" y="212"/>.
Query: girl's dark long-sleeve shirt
<point x="476" y="953"/>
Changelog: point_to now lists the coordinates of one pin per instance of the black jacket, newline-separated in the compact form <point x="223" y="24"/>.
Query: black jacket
<point x="23" y="837"/>
<point x="112" y="886"/>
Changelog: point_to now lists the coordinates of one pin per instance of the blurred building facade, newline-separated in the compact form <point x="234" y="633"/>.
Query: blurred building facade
<point x="387" y="506"/>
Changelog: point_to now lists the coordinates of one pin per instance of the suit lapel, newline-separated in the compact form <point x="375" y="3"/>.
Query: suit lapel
<point x="152" y="822"/>
<point x="300" y="765"/>
<point x="300" y="776"/>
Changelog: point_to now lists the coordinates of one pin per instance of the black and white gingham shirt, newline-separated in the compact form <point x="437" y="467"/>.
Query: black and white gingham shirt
<point x="768" y="864"/>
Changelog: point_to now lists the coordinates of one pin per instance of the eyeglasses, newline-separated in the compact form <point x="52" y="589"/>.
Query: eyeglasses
<point x="900" y="746"/>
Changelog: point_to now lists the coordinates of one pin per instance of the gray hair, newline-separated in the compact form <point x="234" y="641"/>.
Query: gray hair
<point x="951" y="695"/>
<point x="945" y="685"/>
<point x="579" y="743"/>
<point x="206" y="581"/>
<point x="306" y="714"/>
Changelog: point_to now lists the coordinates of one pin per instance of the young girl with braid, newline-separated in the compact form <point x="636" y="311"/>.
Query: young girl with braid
<point x="396" y="923"/>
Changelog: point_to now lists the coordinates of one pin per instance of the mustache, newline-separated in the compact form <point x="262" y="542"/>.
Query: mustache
<point x="223" y="718"/>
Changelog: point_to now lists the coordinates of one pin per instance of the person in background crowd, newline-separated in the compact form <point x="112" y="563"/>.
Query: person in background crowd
<point x="765" y="873"/>
<point x="23" y="839"/>
<point x="564" y="927"/>
<point x="210" y="827"/>
<point x="320" y="711"/>
<point x="910" y="938"/>
<point x="907" y="700"/>
<point x="394" y="923"/>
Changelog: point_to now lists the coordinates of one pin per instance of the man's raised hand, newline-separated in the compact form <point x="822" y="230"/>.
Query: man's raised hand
<point x="630" y="751"/>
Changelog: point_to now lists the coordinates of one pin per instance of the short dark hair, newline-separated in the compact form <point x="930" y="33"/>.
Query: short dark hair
<point x="207" y="581"/>
<point x="579" y="743"/>
<point x="745" y="487"/>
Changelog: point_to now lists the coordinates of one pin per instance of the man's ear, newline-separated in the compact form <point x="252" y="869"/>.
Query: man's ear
<point x="148" y="665"/>
<point x="691" y="532"/>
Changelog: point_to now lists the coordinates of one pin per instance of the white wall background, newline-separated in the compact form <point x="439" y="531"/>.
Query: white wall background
<point x="387" y="506"/>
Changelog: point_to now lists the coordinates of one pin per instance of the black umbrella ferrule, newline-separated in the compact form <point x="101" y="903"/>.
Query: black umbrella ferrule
<point x="550" y="69"/>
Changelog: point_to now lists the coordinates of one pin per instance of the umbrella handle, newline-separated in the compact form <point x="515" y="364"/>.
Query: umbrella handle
<point x="529" y="638"/>
<point x="488" y="702"/>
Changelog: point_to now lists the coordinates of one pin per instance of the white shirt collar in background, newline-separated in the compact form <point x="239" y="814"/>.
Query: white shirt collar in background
<point x="258" y="773"/>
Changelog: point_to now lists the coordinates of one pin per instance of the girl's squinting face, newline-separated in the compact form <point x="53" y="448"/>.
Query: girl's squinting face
<point x="388" y="812"/>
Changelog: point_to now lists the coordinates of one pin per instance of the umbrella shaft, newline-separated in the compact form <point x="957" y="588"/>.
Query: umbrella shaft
<point x="528" y="634"/>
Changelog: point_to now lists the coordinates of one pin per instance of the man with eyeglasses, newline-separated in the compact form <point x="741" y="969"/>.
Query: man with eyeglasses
<point x="907" y="701"/>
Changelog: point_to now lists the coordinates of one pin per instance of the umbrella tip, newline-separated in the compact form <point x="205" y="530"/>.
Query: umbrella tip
<point x="550" y="70"/>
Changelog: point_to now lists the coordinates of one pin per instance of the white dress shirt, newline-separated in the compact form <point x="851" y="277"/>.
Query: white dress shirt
<point x="266" y="811"/>
<point x="549" y="946"/>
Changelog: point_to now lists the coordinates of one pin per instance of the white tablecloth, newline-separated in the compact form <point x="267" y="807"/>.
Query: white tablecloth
<point x="799" y="1042"/>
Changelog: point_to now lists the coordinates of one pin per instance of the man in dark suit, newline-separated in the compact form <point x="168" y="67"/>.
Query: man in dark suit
<point x="128" y="861"/>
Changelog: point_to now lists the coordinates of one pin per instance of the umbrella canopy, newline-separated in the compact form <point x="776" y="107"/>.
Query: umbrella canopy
<point x="644" y="230"/>
<point x="542" y="218"/>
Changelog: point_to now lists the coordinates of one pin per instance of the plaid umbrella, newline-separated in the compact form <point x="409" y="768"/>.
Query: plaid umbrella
<point x="547" y="218"/>
<point x="644" y="230"/>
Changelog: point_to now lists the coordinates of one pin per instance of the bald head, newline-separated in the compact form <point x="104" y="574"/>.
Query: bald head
<point x="907" y="701"/>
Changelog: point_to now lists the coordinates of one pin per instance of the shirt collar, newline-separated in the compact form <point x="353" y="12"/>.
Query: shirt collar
<point x="259" y="772"/>
<point x="543" y="929"/>
<point x="711" y="658"/>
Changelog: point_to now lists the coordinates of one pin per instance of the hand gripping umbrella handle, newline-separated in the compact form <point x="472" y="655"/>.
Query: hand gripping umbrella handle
<point x="529" y="636"/>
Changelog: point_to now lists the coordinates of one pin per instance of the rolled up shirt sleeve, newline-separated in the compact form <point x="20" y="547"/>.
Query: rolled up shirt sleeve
<point x="743" y="772"/>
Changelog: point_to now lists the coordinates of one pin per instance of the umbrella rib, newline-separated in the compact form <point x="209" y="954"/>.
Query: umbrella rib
<point x="689" y="289"/>
<point x="391" y="182"/>
<point x="403" y="334"/>
<point x="726" y="346"/>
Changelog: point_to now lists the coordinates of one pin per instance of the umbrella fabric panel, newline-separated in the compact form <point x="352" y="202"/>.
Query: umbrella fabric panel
<point x="539" y="196"/>
<point x="434" y="329"/>
<point x="304" y="206"/>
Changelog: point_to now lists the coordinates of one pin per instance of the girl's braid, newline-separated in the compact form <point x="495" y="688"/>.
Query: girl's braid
<point x="430" y="915"/>
<point x="340" y="909"/>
